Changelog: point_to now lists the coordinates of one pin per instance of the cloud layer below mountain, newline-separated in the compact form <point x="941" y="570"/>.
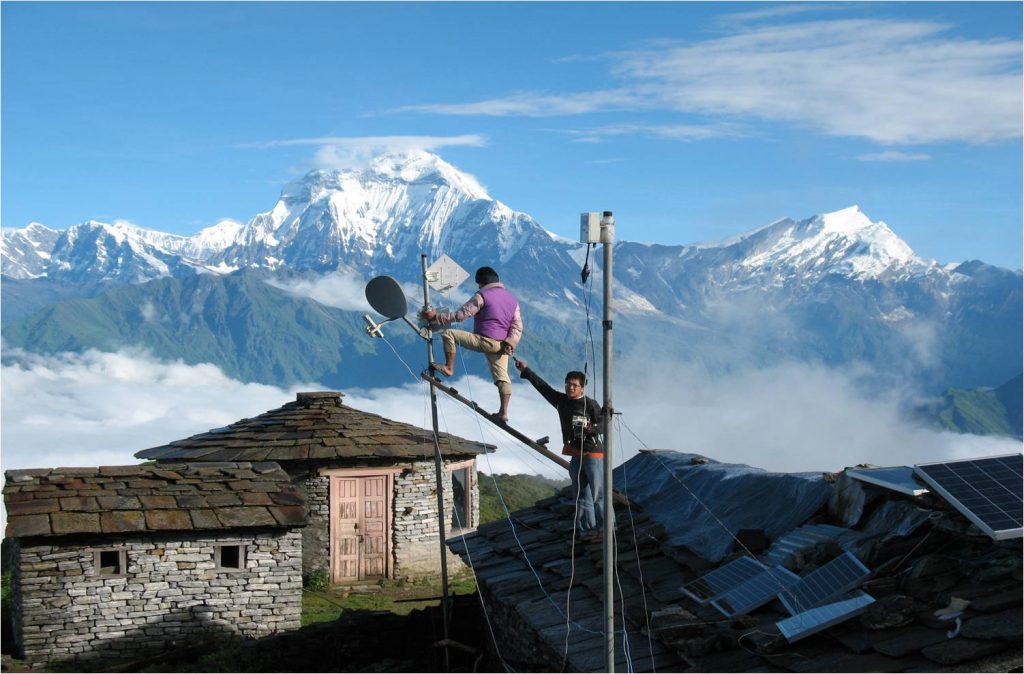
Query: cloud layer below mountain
<point x="98" y="408"/>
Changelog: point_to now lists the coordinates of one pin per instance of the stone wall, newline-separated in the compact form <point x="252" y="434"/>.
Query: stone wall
<point x="519" y="644"/>
<point x="416" y="546"/>
<point x="316" y="536"/>
<point x="171" y="590"/>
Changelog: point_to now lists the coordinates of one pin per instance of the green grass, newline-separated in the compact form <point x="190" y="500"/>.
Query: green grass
<point x="399" y="597"/>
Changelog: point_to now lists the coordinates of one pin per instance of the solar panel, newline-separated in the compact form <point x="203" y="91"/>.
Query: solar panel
<point x="897" y="478"/>
<point x="723" y="578"/>
<point x="842" y="574"/>
<point x="816" y="619"/>
<point x="987" y="491"/>
<point x="808" y="536"/>
<point x="756" y="592"/>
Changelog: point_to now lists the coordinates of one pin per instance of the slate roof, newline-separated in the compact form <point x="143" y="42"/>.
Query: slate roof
<point x="168" y="497"/>
<point x="314" y="426"/>
<point x="922" y="554"/>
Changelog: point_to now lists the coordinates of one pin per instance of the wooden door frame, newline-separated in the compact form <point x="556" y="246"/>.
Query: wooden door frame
<point x="472" y="490"/>
<point x="388" y="473"/>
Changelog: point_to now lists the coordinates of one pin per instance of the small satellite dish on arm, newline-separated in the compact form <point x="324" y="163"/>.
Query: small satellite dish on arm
<point x="387" y="297"/>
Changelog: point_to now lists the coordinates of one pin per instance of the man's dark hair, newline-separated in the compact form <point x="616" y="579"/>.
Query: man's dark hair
<point x="578" y="376"/>
<point x="485" y="275"/>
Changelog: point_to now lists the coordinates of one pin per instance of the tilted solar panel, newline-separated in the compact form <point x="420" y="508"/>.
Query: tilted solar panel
<point x="842" y="574"/>
<point x="816" y="619"/>
<point x="755" y="592"/>
<point x="897" y="478"/>
<point x="723" y="578"/>
<point x="987" y="491"/>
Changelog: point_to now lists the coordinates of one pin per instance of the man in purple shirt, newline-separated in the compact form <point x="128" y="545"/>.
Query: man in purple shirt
<point x="497" y="328"/>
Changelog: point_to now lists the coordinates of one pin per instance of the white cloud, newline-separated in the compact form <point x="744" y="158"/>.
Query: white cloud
<point x="100" y="408"/>
<point x="886" y="80"/>
<point x="343" y="290"/>
<point x="776" y="12"/>
<point x="679" y="132"/>
<point x="788" y="418"/>
<point x="357" y="151"/>
<point x="537" y="104"/>
<point x="890" y="81"/>
<point x="893" y="155"/>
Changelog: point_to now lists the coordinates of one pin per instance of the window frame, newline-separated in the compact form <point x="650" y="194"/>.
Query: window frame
<point x="469" y="500"/>
<point x="218" y="552"/>
<point x="122" y="562"/>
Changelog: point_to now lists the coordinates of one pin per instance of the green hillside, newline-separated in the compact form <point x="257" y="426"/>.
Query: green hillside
<point x="981" y="411"/>
<point x="517" y="492"/>
<point x="251" y="330"/>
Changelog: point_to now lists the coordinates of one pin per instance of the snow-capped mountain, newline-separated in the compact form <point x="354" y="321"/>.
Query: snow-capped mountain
<point x="836" y="287"/>
<point x="369" y="219"/>
<point x="845" y="242"/>
<point x="378" y="218"/>
<point x="25" y="253"/>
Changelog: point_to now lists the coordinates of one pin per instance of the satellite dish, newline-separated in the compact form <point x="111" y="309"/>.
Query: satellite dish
<point x="387" y="297"/>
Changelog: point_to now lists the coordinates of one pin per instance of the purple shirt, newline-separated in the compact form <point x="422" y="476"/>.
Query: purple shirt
<point x="495" y="311"/>
<point x="495" y="319"/>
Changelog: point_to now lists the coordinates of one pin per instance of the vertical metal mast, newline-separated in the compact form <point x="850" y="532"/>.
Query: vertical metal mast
<point x="438" y="472"/>
<point x="608" y="238"/>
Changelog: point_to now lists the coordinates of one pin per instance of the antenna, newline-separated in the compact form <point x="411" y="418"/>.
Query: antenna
<point x="372" y="329"/>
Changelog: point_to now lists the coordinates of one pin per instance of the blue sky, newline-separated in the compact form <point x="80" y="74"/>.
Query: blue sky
<point x="692" y="121"/>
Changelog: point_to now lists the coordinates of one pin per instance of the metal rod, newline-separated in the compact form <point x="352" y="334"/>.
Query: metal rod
<point x="608" y="239"/>
<point x="438" y="474"/>
<point x="532" y="444"/>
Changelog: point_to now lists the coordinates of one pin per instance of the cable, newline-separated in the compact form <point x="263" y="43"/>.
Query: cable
<point x="483" y="607"/>
<point x="397" y="355"/>
<point x="636" y="550"/>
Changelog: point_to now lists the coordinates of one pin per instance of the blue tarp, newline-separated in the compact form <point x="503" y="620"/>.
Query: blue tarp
<point x="703" y="505"/>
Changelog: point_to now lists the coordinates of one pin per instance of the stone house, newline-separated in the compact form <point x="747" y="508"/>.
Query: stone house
<point x="369" y="483"/>
<point x="122" y="561"/>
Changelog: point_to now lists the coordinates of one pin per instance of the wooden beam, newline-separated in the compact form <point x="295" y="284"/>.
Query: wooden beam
<point x="532" y="444"/>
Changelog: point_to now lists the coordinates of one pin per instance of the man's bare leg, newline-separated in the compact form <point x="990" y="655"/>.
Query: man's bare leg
<point x="503" y="410"/>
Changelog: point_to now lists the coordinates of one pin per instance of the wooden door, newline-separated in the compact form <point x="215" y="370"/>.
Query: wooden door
<point x="344" y="529"/>
<point x="373" y="527"/>
<point x="359" y="527"/>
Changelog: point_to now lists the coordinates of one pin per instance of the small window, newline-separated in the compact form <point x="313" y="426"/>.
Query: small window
<point x="111" y="562"/>
<point x="230" y="557"/>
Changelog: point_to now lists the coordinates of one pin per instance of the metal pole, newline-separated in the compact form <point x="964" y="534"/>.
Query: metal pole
<point x="608" y="238"/>
<point x="438" y="473"/>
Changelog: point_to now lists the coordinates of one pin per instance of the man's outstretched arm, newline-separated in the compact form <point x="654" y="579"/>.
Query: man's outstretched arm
<point x="550" y="394"/>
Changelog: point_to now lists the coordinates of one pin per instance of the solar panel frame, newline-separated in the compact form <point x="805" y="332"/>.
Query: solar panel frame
<point x="812" y="621"/>
<point x="725" y="577"/>
<point x="755" y="592"/>
<point x="839" y="576"/>
<point x="986" y="490"/>
<point x="899" y="479"/>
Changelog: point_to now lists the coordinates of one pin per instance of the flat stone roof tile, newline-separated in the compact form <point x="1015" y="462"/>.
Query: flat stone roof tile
<point x="28" y="525"/>
<point x="176" y="496"/>
<point x="319" y="427"/>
